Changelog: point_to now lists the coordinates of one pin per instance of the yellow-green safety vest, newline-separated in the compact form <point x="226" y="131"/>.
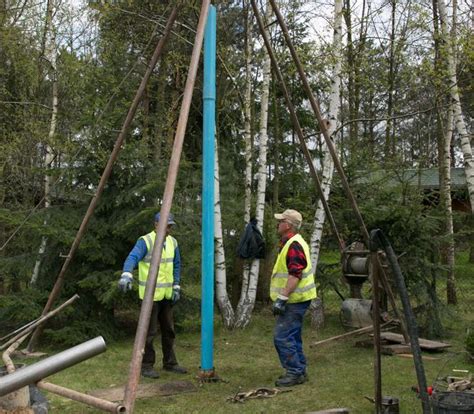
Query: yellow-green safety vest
<point x="306" y="289"/>
<point x="164" y="282"/>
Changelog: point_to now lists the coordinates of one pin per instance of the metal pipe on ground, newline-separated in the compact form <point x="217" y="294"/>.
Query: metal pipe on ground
<point x="105" y="175"/>
<point x="48" y="366"/>
<point x="147" y="304"/>
<point x="82" y="398"/>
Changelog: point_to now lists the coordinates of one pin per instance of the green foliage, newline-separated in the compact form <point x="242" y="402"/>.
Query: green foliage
<point x="414" y="230"/>
<point x="20" y="309"/>
<point x="98" y="72"/>
<point x="470" y="342"/>
<point x="80" y="330"/>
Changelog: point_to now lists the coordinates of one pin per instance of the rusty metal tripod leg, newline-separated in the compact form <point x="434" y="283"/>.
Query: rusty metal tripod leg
<point x="144" y="319"/>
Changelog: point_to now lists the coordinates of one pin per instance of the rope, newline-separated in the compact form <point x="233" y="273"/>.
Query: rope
<point x="263" y="392"/>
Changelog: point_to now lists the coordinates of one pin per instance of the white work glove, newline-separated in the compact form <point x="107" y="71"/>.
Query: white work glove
<point x="279" y="306"/>
<point x="176" y="294"/>
<point x="125" y="282"/>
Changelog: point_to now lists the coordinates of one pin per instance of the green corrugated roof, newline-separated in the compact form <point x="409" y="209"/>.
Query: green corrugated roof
<point x="426" y="178"/>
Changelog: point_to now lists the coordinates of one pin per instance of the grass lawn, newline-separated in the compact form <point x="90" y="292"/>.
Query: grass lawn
<point x="340" y="375"/>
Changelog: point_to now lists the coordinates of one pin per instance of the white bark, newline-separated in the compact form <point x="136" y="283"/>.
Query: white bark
<point x="247" y="118"/>
<point x="334" y="106"/>
<point x="222" y="297"/>
<point x="465" y="137"/>
<point x="249" y="290"/>
<point x="50" y="55"/>
<point x="448" y="211"/>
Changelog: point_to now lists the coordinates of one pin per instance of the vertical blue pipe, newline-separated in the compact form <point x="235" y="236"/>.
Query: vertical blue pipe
<point x="207" y="266"/>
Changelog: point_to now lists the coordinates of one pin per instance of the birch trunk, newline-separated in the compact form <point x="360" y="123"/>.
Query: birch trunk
<point x="247" y="118"/>
<point x="251" y="270"/>
<point x="450" y="44"/>
<point x="389" y="136"/>
<point x="222" y="297"/>
<point x="334" y="105"/>
<point x="316" y="309"/>
<point x="50" y="55"/>
<point x="448" y="211"/>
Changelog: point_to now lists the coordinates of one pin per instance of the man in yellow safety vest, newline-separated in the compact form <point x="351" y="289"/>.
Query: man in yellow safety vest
<point x="291" y="289"/>
<point x="167" y="293"/>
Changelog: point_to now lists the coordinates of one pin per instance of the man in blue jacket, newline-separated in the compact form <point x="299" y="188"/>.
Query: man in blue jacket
<point x="167" y="293"/>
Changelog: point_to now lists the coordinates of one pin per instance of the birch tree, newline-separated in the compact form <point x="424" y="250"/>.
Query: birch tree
<point x="333" y="113"/>
<point x="247" y="115"/>
<point x="50" y="55"/>
<point x="445" y="191"/>
<point x="225" y="307"/>
<point x="247" y="139"/>
<point x="449" y="55"/>
<point x="316" y="310"/>
<point x="251" y="269"/>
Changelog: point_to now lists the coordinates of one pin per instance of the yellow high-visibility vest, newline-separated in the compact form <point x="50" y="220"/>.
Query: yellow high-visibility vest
<point x="306" y="289"/>
<point x="164" y="282"/>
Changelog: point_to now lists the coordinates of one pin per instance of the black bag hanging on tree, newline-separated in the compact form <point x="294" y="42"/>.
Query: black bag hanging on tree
<point x="252" y="244"/>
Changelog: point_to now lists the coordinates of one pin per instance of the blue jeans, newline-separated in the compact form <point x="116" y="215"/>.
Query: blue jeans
<point x="287" y="338"/>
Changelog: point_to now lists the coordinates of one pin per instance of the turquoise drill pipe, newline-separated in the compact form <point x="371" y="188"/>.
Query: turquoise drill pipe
<point x="209" y="125"/>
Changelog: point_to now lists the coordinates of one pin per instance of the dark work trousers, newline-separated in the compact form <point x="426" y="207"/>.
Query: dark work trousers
<point x="287" y="338"/>
<point x="162" y="313"/>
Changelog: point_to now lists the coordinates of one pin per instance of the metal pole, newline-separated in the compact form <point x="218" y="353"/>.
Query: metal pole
<point x="207" y="250"/>
<point x="147" y="304"/>
<point x="99" y="403"/>
<point x="378" y="239"/>
<point x="105" y="176"/>
<point x="48" y="366"/>
<point x="376" y="324"/>
<point x="296" y="125"/>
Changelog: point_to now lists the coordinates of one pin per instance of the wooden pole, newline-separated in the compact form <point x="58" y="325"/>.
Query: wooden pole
<point x="360" y="331"/>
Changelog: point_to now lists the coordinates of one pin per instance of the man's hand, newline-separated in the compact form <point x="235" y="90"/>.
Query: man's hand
<point x="279" y="306"/>
<point x="176" y="294"/>
<point x="125" y="282"/>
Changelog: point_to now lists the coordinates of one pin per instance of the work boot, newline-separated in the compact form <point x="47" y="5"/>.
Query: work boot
<point x="305" y="375"/>
<point x="176" y="369"/>
<point x="149" y="372"/>
<point x="290" y="380"/>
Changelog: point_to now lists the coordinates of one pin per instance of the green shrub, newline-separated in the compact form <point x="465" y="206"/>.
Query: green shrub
<point x="470" y="342"/>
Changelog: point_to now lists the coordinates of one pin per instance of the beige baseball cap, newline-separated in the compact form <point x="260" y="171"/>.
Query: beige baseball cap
<point x="293" y="216"/>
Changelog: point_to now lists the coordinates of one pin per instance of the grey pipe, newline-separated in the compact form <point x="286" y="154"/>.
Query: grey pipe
<point x="48" y="366"/>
